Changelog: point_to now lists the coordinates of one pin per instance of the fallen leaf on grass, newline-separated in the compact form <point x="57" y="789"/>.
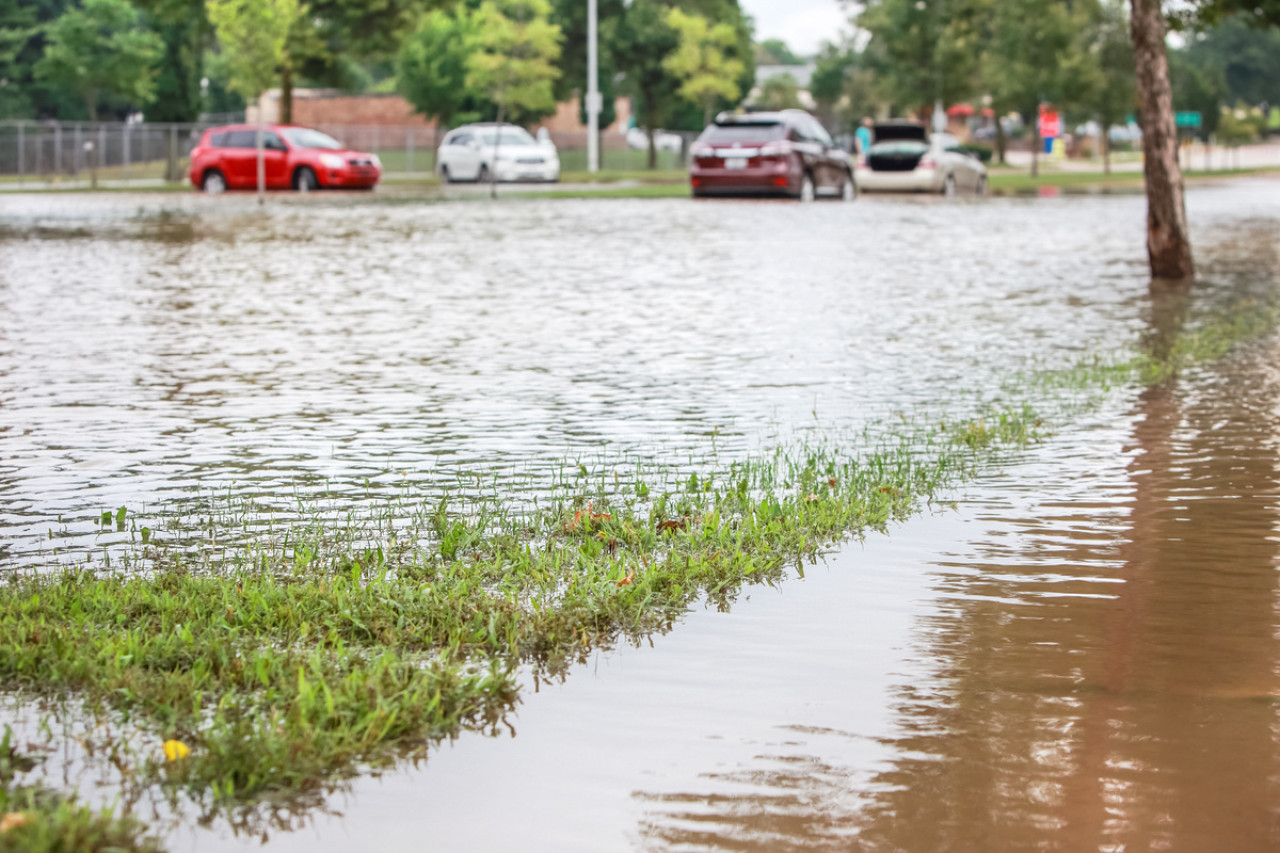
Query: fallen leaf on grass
<point x="631" y="573"/>
<point x="668" y="526"/>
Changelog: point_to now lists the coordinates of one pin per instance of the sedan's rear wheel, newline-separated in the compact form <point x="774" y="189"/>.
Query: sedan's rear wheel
<point x="444" y="174"/>
<point x="304" y="180"/>
<point x="981" y="188"/>
<point x="949" y="186"/>
<point x="214" y="182"/>
<point x="483" y="176"/>
<point x="806" y="188"/>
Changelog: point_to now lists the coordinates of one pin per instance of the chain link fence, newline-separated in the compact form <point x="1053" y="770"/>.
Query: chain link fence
<point x="41" y="154"/>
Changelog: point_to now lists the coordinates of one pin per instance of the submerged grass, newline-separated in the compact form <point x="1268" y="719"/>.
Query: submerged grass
<point x="295" y="659"/>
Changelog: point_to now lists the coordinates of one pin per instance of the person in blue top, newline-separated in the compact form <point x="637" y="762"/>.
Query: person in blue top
<point x="863" y="135"/>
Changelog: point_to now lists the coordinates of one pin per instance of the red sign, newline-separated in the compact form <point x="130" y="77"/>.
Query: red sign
<point x="1050" y="123"/>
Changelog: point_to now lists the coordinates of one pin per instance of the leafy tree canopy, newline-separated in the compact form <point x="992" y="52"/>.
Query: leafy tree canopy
<point x="252" y="34"/>
<point x="100" y="49"/>
<point x="431" y="68"/>
<point x="512" y="61"/>
<point x="702" y="60"/>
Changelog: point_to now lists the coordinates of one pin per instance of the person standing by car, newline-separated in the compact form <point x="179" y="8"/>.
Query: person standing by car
<point x="863" y="135"/>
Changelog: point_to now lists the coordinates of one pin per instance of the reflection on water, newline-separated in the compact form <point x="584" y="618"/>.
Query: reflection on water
<point x="1079" y="654"/>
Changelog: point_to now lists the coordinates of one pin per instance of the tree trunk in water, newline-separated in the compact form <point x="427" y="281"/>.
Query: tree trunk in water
<point x="1168" y="246"/>
<point x="1001" y="143"/>
<point x="286" y="93"/>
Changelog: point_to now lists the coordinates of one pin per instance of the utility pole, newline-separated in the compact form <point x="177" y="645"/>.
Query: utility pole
<point x="593" y="91"/>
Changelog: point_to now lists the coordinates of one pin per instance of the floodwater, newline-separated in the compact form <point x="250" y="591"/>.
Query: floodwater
<point x="1078" y="651"/>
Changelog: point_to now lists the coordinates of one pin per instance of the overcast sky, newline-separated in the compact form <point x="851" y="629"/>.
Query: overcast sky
<point x="802" y="24"/>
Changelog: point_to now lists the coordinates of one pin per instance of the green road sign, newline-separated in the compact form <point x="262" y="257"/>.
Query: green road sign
<point x="1186" y="119"/>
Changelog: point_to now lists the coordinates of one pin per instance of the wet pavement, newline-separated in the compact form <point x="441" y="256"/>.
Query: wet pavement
<point x="1077" y="651"/>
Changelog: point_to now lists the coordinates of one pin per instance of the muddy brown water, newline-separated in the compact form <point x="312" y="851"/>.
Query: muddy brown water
<point x="1077" y="651"/>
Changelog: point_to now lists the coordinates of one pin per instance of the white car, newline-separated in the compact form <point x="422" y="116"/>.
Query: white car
<point x="904" y="158"/>
<point x="663" y="140"/>
<point x="480" y="152"/>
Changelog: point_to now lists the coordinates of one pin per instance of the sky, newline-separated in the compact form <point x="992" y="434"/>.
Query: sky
<point x="802" y="24"/>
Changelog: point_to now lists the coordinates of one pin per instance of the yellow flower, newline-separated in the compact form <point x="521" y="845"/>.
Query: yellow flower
<point x="13" y="820"/>
<point x="175" y="749"/>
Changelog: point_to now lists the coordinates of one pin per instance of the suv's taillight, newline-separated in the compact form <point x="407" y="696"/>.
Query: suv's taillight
<point x="702" y="149"/>
<point x="780" y="148"/>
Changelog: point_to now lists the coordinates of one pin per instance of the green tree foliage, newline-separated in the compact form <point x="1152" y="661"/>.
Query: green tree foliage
<point x="642" y="43"/>
<point x="703" y="61"/>
<point x="101" y="49"/>
<point x="843" y="87"/>
<point x="1198" y="87"/>
<point x="1207" y="13"/>
<point x="184" y="28"/>
<point x="431" y="68"/>
<point x="514" y="49"/>
<point x="1109" y="86"/>
<point x="1039" y="52"/>
<point x="775" y="52"/>
<point x="779" y="92"/>
<point x="923" y="51"/>
<point x="17" y="29"/>
<point x="252" y="34"/>
<point x="1247" y="57"/>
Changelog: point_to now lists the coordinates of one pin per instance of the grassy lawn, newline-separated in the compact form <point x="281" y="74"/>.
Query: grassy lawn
<point x="1004" y="181"/>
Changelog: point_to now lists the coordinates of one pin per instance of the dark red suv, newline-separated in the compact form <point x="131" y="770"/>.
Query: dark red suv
<point x="785" y="153"/>
<point x="297" y="157"/>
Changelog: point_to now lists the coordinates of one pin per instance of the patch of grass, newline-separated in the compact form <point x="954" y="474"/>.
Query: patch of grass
<point x="289" y="658"/>
<point x="1004" y="181"/>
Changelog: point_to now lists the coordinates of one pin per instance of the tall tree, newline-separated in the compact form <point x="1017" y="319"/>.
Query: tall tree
<point x="513" y="60"/>
<point x="643" y="41"/>
<point x="101" y="49"/>
<point x="184" y="28"/>
<point x="843" y="87"/>
<point x="1111" y="95"/>
<point x="1037" y="53"/>
<point x="253" y="35"/>
<point x="922" y="51"/>
<point x="702" y="61"/>
<point x="1168" y="243"/>
<point x="431" y="68"/>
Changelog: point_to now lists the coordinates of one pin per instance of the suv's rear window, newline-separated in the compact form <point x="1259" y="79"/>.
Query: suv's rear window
<point x="762" y="132"/>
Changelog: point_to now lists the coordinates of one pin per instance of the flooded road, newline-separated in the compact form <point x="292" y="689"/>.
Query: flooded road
<point x="1077" y="652"/>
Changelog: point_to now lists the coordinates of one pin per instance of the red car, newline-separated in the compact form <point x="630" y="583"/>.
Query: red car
<point x="297" y="157"/>
<point x="785" y="153"/>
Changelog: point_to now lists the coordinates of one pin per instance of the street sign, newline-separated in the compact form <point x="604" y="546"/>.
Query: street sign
<point x="1186" y="119"/>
